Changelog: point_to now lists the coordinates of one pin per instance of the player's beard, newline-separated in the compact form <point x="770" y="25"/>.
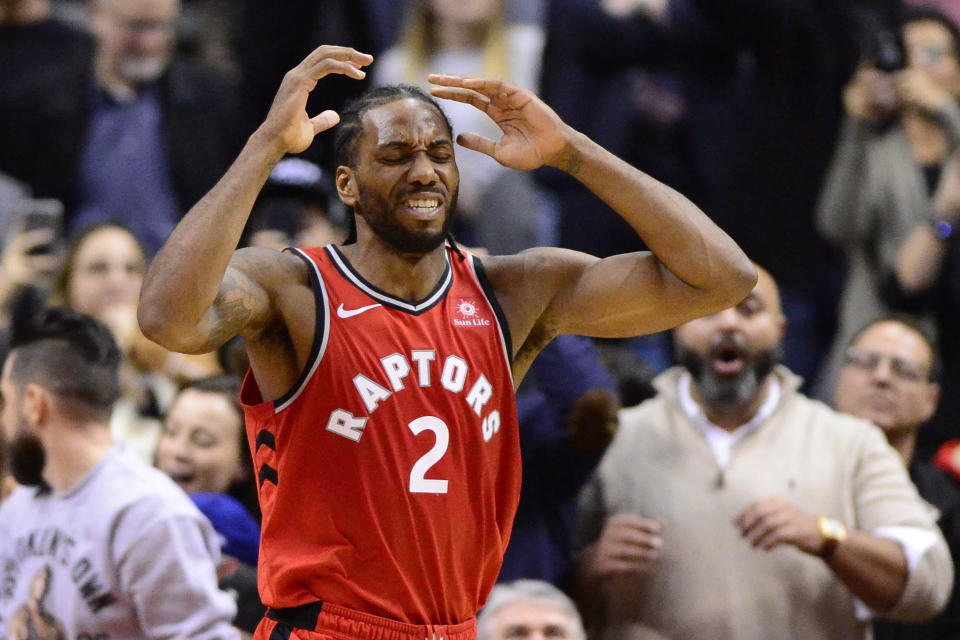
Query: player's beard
<point x="378" y="214"/>
<point x="730" y="391"/>
<point x="27" y="459"/>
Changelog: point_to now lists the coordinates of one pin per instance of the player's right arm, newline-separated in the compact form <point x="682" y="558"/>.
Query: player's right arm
<point x="199" y="292"/>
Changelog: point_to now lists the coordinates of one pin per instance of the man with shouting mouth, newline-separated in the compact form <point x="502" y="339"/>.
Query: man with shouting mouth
<point x="732" y="507"/>
<point x="371" y="525"/>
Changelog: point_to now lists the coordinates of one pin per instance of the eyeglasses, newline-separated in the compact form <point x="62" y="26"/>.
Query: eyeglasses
<point x="928" y="54"/>
<point x="900" y="368"/>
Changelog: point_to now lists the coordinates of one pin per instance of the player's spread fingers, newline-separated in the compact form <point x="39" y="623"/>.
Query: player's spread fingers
<point x="328" y="66"/>
<point x="345" y="54"/>
<point x="491" y="87"/>
<point x="476" y="142"/>
<point x="467" y="96"/>
<point x="446" y="79"/>
<point x="324" y="120"/>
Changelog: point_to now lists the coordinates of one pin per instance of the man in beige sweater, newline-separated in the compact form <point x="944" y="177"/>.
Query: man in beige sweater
<point x="731" y="507"/>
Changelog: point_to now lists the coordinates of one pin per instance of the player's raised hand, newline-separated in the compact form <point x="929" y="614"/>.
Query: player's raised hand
<point x="533" y="134"/>
<point x="287" y="124"/>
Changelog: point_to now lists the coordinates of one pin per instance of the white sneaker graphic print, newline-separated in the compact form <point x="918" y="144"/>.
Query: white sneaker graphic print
<point x="349" y="313"/>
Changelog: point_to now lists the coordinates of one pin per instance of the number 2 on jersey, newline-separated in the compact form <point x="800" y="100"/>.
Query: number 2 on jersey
<point x="418" y="482"/>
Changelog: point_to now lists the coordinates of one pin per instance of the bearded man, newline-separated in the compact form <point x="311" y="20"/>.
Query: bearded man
<point x="733" y="507"/>
<point x="93" y="543"/>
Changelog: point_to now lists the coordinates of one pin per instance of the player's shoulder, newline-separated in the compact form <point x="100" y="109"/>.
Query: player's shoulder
<point x="271" y="268"/>
<point x="535" y="260"/>
<point x="534" y="270"/>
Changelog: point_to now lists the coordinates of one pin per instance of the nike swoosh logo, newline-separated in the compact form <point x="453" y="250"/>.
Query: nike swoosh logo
<point x="349" y="313"/>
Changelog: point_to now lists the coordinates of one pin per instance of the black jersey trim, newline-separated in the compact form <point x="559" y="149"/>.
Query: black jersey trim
<point x="266" y="439"/>
<point x="268" y="474"/>
<point x="321" y="334"/>
<point x="497" y="309"/>
<point x="303" y="617"/>
<point x="413" y="308"/>
<point x="282" y="631"/>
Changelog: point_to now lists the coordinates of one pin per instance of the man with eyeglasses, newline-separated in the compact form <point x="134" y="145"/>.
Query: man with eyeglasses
<point x="889" y="376"/>
<point x="732" y="507"/>
<point x="130" y="133"/>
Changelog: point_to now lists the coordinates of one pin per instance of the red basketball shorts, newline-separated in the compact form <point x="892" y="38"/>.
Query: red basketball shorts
<point x="325" y="621"/>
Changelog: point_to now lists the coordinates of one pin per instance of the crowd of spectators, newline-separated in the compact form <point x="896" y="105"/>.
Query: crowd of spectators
<point x="823" y="135"/>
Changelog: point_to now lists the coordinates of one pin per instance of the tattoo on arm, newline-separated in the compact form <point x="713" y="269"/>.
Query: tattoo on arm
<point x="231" y="311"/>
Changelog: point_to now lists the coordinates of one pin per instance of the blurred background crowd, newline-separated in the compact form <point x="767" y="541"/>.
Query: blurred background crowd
<point x="822" y="135"/>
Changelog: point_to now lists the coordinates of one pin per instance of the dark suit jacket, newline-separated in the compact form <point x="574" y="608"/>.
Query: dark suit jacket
<point x="43" y="130"/>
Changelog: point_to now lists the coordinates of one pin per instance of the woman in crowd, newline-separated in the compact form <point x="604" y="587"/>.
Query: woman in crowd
<point x="203" y="446"/>
<point x="102" y="275"/>
<point x="900" y="129"/>
<point x="203" y="449"/>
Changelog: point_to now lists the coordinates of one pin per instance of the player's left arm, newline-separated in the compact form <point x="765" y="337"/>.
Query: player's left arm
<point x="692" y="269"/>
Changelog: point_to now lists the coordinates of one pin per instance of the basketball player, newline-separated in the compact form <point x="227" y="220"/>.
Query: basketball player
<point x="380" y="401"/>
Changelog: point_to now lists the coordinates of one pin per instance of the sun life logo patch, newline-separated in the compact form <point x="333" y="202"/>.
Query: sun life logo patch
<point x="468" y="312"/>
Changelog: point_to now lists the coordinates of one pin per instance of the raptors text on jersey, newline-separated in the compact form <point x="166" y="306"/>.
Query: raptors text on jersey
<point x="389" y="475"/>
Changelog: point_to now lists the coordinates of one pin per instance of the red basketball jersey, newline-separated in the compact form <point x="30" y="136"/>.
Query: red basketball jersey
<point x="390" y="474"/>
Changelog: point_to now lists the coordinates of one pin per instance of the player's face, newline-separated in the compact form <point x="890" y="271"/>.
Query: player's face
<point x="406" y="175"/>
<point x="107" y="270"/>
<point x="199" y="447"/>
<point x="531" y="621"/>
<point x="885" y="378"/>
<point x="730" y="353"/>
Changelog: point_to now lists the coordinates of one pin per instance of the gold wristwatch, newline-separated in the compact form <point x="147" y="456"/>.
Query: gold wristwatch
<point x="832" y="533"/>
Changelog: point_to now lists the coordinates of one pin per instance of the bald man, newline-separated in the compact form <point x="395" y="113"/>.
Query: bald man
<point x="731" y="507"/>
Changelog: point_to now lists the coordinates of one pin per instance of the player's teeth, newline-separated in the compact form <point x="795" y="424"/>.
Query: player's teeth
<point x="423" y="204"/>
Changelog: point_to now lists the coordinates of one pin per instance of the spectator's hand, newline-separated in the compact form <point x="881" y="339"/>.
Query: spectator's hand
<point x="20" y="268"/>
<point x="772" y="522"/>
<point x="287" y="124"/>
<point x="121" y="319"/>
<point x="947" y="197"/>
<point x="916" y="89"/>
<point x="871" y="95"/>
<point x="627" y="544"/>
<point x="594" y="420"/>
<point x="655" y="10"/>
<point x="533" y="134"/>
